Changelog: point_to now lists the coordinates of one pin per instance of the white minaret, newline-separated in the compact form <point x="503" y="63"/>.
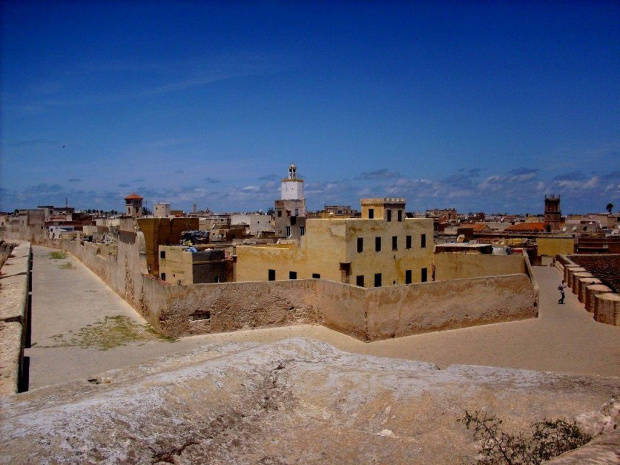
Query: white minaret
<point x="292" y="187"/>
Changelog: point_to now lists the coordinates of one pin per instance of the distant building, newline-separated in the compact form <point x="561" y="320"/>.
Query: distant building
<point x="290" y="210"/>
<point x="187" y="265"/>
<point x="133" y="205"/>
<point x="161" y="210"/>
<point x="553" y="214"/>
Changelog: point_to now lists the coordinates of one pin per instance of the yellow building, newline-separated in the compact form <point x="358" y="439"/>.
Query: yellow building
<point x="187" y="265"/>
<point x="382" y="248"/>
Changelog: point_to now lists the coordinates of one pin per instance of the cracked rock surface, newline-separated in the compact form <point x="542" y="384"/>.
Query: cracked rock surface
<point x="294" y="401"/>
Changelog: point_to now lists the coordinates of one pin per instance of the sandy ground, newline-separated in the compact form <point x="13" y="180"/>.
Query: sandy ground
<point x="69" y="300"/>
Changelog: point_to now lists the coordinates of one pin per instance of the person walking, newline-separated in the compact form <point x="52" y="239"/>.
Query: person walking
<point x="561" y="288"/>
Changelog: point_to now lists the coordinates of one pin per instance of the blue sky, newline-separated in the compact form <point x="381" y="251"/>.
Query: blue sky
<point x="476" y="105"/>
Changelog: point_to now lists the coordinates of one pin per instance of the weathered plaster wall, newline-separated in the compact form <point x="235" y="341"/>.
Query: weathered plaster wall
<point x="450" y="266"/>
<point x="423" y="307"/>
<point x="342" y="308"/>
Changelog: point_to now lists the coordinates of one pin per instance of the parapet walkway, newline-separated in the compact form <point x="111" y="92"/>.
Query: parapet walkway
<point x="78" y="322"/>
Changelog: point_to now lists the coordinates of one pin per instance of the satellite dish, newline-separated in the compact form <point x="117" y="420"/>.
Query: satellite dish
<point x="574" y="228"/>
<point x="564" y="229"/>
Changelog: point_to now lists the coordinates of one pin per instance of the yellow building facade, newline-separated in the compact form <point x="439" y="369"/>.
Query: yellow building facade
<point x="386" y="250"/>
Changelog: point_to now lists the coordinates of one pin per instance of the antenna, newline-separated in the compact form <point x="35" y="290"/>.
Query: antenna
<point x="66" y="202"/>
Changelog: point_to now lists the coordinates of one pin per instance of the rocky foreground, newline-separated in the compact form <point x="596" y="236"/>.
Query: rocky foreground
<point x="294" y="401"/>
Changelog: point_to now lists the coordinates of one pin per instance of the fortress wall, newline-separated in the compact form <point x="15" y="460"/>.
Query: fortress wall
<point x="450" y="266"/>
<point x="216" y="308"/>
<point x="15" y="286"/>
<point x="366" y="314"/>
<point x="342" y="307"/>
<point x="418" y="308"/>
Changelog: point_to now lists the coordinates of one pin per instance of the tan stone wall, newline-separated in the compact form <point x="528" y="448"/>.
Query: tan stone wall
<point x="419" y="308"/>
<point x="552" y="246"/>
<point x="342" y="308"/>
<point x="459" y="266"/>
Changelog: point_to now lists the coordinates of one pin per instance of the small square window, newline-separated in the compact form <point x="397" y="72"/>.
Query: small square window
<point x="271" y="275"/>
<point x="359" y="280"/>
<point x="162" y="254"/>
<point x="292" y="275"/>
<point x="377" y="279"/>
<point x="316" y="276"/>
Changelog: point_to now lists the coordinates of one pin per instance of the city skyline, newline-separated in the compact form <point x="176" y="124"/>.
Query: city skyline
<point x="478" y="107"/>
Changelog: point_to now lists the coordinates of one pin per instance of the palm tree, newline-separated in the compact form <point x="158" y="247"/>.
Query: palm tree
<point x="610" y="207"/>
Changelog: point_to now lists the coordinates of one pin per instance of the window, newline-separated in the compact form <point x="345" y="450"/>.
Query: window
<point x="292" y="275"/>
<point x="293" y="220"/>
<point x="163" y="276"/>
<point x="316" y="276"/>
<point x="162" y="254"/>
<point x="423" y="241"/>
<point x="408" y="242"/>
<point x="400" y="215"/>
<point x="371" y="213"/>
<point x="424" y="276"/>
<point x="389" y="215"/>
<point x="271" y="275"/>
<point x="288" y="231"/>
<point x="377" y="279"/>
<point x="359" y="280"/>
<point x="394" y="242"/>
<point x="360" y="244"/>
<point x="377" y="244"/>
<point x="407" y="276"/>
<point x="279" y="213"/>
<point x="302" y="230"/>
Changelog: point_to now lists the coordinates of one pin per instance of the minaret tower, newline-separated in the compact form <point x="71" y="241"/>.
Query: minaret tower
<point x="553" y="214"/>
<point x="292" y="187"/>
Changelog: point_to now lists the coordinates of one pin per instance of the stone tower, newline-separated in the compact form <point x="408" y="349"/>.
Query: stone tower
<point x="290" y="221"/>
<point x="133" y="205"/>
<point x="553" y="214"/>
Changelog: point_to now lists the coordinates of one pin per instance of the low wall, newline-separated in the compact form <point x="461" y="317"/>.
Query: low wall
<point x="14" y="316"/>
<point x="449" y="266"/>
<point x="366" y="314"/>
<point x="424" y="307"/>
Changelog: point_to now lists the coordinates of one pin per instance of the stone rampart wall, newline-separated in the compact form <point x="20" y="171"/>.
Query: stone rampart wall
<point x="366" y="314"/>
<point x="14" y="316"/>
<point x="418" y="308"/>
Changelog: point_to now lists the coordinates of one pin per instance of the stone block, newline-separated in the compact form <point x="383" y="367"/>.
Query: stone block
<point x="576" y="276"/>
<point x="567" y="268"/>
<point x="583" y="284"/>
<point x="11" y="337"/>
<point x="14" y="298"/>
<point x="591" y="292"/>
<point x="607" y="309"/>
<point x="571" y="273"/>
